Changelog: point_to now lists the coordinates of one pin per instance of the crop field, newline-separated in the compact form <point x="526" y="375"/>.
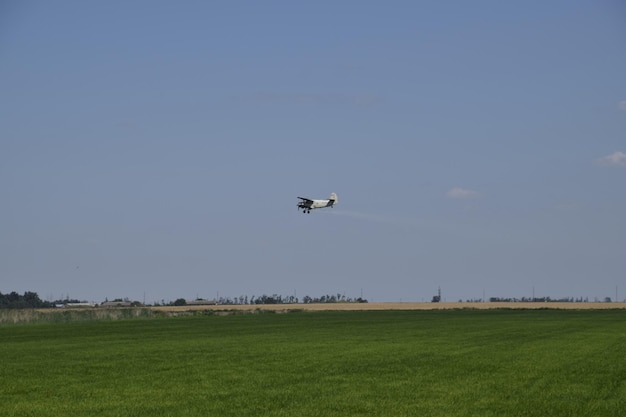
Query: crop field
<point x="324" y="363"/>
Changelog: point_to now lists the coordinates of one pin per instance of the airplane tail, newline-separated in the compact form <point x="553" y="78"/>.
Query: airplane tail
<point x="333" y="198"/>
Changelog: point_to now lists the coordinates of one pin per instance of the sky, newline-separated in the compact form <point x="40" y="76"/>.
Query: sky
<point x="154" y="150"/>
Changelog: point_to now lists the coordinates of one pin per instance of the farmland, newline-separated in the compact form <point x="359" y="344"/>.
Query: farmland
<point x="447" y="362"/>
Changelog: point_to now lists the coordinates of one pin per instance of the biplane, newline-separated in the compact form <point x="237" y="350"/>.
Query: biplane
<point x="307" y="204"/>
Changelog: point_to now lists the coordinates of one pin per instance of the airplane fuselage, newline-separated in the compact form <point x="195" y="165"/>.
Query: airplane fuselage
<point x="308" y="204"/>
<point x="315" y="204"/>
<point x="321" y="203"/>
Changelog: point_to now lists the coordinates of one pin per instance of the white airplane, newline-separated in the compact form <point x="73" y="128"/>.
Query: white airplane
<point x="307" y="204"/>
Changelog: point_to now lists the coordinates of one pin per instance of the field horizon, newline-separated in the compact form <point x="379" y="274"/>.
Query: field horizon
<point x="72" y="314"/>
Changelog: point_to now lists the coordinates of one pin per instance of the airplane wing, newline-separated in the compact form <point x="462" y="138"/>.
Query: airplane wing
<point x="304" y="199"/>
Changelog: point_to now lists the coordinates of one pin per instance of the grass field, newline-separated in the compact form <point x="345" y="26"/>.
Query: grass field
<point x="339" y="363"/>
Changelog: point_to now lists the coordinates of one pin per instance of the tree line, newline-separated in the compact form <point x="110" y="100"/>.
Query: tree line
<point x="27" y="300"/>
<point x="277" y="299"/>
<point x="31" y="300"/>
<point x="291" y="299"/>
<point x="543" y="300"/>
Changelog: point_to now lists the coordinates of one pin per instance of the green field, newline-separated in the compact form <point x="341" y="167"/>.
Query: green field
<point x="386" y="363"/>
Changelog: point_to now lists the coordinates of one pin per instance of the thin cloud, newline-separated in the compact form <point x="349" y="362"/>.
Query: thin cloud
<point x="622" y="105"/>
<point x="616" y="159"/>
<point x="458" y="193"/>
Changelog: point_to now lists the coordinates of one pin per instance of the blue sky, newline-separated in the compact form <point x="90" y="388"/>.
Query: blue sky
<point x="156" y="149"/>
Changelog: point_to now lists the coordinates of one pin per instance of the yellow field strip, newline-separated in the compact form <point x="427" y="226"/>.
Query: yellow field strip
<point x="400" y="306"/>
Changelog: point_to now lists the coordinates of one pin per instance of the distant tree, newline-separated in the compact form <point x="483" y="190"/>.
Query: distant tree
<point x="31" y="300"/>
<point x="28" y="300"/>
<point x="180" y="302"/>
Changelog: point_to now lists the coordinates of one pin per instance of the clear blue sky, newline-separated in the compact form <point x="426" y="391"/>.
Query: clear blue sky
<point x="158" y="147"/>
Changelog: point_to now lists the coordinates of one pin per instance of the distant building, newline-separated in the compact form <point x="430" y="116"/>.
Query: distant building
<point x="75" y="305"/>
<point x="116" y="304"/>
<point x="437" y="298"/>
